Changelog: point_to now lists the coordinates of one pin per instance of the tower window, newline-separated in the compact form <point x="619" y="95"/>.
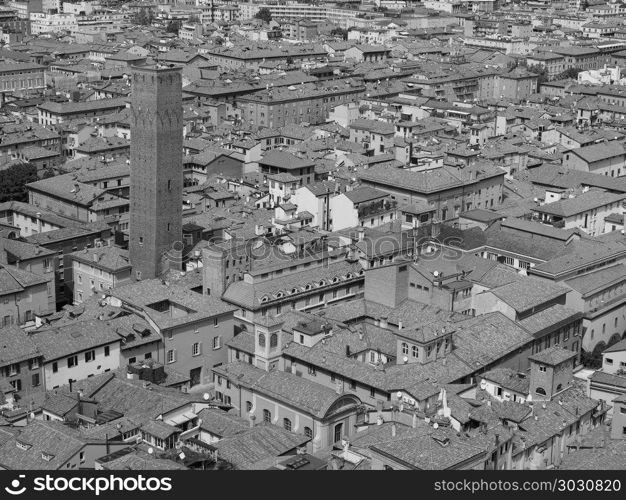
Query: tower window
<point x="169" y="185"/>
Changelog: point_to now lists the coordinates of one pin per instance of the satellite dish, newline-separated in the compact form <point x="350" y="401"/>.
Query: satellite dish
<point x="399" y="394"/>
<point x="206" y="396"/>
<point x="151" y="450"/>
<point x="435" y="273"/>
<point x="181" y="456"/>
<point x="435" y="425"/>
<point x="32" y="414"/>
<point x="405" y="359"/>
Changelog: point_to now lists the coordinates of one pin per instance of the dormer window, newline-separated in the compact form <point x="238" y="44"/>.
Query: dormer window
<point x="22" y="446"/>
<point x="294" y="290"/>
<point x="279" y="295"/>
<point x="264" y="299"/>
<point x="46" y="456"/>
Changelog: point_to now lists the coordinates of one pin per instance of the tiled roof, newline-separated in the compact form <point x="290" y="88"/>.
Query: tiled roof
<point x="508" y="379"/>
<point x="13" y="279"/>
<point x="552" y="317"/>
<point x="250" y="295"/>
<point x="248" y="449"/>
<point x="553" y="356"/>
<point x="52" y="439"/>
<point x="306" y="395"/>
<point x="589" y="283"/>
<point x="584" y="202"/>
<point x="220" y="423"/>
<point x="523" y="294"/>
<point x="16" y="346"/>
<point x="73" y="338"/>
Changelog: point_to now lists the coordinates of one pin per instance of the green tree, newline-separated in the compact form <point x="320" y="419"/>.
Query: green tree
<point x="13" y="181"/>
<point x="569" y="73"/>
<point x="144" y="17"/>
<point x="173" y="27"/>
<point x="264" y="14"/>
<point x="339" y="32"/>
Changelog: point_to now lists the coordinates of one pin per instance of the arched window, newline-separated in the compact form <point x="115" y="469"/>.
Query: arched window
<point x="415" y="351"/>
<point x="308" y="432"/>
<point x="273" y="340"/>
<point x="261" y="340"/>
<point x="287" y="424"/>
<point x="267" y="416"/>
<point x="248" y="406"/>
<point x="405" y="348"/>
<point x="541" y="391"/>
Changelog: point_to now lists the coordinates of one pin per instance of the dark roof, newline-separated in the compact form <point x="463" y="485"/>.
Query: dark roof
<point x="553" y="356"/>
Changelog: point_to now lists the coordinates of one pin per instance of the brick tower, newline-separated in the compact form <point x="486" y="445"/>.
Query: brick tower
<point x="156" y="179"/>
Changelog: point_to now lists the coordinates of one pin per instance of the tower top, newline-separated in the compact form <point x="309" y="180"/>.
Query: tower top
<point x="158" y="67"/>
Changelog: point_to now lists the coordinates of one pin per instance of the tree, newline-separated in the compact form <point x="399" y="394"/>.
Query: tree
<point x="540" y="71"/>
<point x="173" y="27"/>
<point x="339" y="32"/>
<point x="569" y="73"/>
<point x="144" y="17"/>
<point x="13" y="181"/>
<point x="264" y="14"/>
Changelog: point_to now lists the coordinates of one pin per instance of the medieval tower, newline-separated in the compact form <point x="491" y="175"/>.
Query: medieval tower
<point x="156" y="179"/>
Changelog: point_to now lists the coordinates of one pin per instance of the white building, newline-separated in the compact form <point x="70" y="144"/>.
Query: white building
<point x="51" y="23"/>
<point x="77" y="351"/>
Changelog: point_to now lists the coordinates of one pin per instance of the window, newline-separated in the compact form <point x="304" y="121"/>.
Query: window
<point x="261" y="340"/>
<point x="312" y="370"/>
<point x="353" y="385"/>
<point x="415" y="351"/>
<point x="107" y="350"/>
<point x="273" y="340"/>
<point x="267" y="416"/>
<point x="16" y="384"/>
<point x="609" y="361"/>
<point x="171" y="356"/>
<point x="372" y="392"/>
<point x="542" y="368"/>
<point x="72" y="361"/>
<point x="90" y="356"/>
<point x="308" y="432"/>
<point x="215" y="322"/>
<point x="55" y="367"/>
<point x="287" y="424"/>
<point x="541" y="391"/>
<point x="405" y="348"/>
<point x="33" y="364"/>
<point x="217" y="342"/>
<point x="248" y="406"/>
<point x="195" y="349"/>
<point x="14" y="369"/>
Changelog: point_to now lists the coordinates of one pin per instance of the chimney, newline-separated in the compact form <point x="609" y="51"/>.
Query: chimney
<point x="251" y="420"/>
<point x="70" y="385"/>
<point x="383" y="322"/>
<point x="360" y="234"/>
<point x="393" y="429"/>
<point x="347" y="351"/>
<point x="414" y="421"/>
<point x="399" y="325"/>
